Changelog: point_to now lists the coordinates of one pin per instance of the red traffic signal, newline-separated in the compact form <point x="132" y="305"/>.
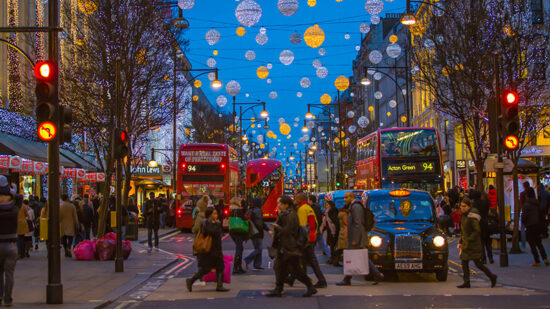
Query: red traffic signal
<point x="44" y="70"/>
<point x="120" y="144"/>
<point x="123" y="136"/>
<point x="511" y="97"/>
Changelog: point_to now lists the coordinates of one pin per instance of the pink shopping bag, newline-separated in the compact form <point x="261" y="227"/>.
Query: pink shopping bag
<point x="211" y="276"/>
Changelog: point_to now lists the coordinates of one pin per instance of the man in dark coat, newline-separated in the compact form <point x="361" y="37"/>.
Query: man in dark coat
<point x="256" y="218"/>
<point x="532" y="221"/>
<point x="312" y="201"/>
<point x="544" y="207"/>
<point x="8" y="239"/>
<point x="152" y="220"/>
<point x="470" y="243"/>
<point x="481" y="203"/>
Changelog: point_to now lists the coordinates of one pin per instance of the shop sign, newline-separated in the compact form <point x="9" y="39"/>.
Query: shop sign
<point x="40" y="167"/>
<point x="93" y="177"/>
<point x="145" y="170"/>
<point x="73" y="173"/>
<point x="531" y="150"/>
<point x="4" y="162"/>
<point x="166" y="168"/>
<point x="15" y="162"/>
<point x="200" y="156"/>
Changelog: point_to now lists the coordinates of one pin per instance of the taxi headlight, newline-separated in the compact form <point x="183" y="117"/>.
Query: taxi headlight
<point x="376" y="241"/>
<point x="439" y="241"/>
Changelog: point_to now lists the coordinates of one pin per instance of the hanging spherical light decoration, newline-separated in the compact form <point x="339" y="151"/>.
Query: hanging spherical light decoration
<point x="246" y="148"/>
<point x="287" y="7"/>
<point x="250" y="55"/>
<point x="299" y="94"/>
<point x="286" y="57"/>
<point x="269" y="66"/>
<point x="211" y="62"/>
<point x="347" y="36"/>
<point x="212" y="36"/>
<point x="371" y="108"/>
<point x="317" y="63"/>
<point x="388" y="114"/>
<point x="211" y="76"/>
<point x="321" y="72"/>
<point x="363" y="122"/>
<point x="322" y="51"/>
<point x="377" y="76"/>
<point x="314" y="36"/>
<point x="195" y="98"/>
<point x="429" y="44"/>
<point x="221" y="100"/>
<point x="393" y="50"/>
<point x="248" y="13"/>
<point x="351" y="114"/>
<point x="375" y="19"/>
<point x="240" y="31"/>
<point x="326" y="99"/>
<point x="268" y="80"/>
<point x="186" y="4"/>
<point x="375" y="57"/>
<point x="305" y="82"/>
<point x="262" y="72"/>
<point x="281" y="120"/>
<point x="341" y="83"/>
<point x="261" y="38"/>
<point x="352" y="129"/>
<point x="393" y="38"/>
<point x="233" y="88"/>
<point x="378" y="95"/>
<point x="392" y="103"/>
<point x="284" y="128"/>
<point x="311" y="3"/>
<point x="403" y="119"/>
<point x="273" y="95"/>
<point x="374" y="7"/>
<point x="364" y="28"/>
<point x="295" y="38"/>
<point x="197" y="83"/>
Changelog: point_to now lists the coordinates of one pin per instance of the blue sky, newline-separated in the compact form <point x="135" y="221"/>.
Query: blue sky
<point x="335" y="18"/>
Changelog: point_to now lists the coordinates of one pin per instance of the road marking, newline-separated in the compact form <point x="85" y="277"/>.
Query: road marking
<point x="448" y="295"/>
<point x="125" y="303"/>
<point x="169" y="235"/>
<point x="173" y="268"/>
<point x="456" y="264"/>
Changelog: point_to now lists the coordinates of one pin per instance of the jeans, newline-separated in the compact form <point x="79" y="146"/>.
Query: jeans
<point x="67" y="242"/>
<point x="238" y="240"/>
<point x="86" y="232"/>
<point x="322" y="244"/>
<point x="8" y="259"/>
<point x="466" y="269"/>
<point x="310" y="258"/>
<point x="255" y="255"/>
<point x="290" y="265"/>
<point x="162" y="220"/>
<point x="150" y="237"/>
<point x="533" y="238"/>
<point x="21" y="246"/>
<point x="372" y="271"/>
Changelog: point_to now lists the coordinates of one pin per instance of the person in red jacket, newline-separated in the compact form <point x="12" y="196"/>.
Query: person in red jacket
<point x="492" y="197"/>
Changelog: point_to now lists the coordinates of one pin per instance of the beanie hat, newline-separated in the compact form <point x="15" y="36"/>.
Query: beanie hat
<point x="4" y="186"/>
<point x="467" y="201"/>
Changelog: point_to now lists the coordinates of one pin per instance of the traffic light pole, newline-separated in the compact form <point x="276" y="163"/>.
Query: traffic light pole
<point x="54" y="288"/>
<point x="119" y="261"/>
<point x="500" y="171"/>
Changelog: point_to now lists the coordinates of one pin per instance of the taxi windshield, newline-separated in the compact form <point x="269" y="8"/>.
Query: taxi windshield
<point x="388" y="209"/>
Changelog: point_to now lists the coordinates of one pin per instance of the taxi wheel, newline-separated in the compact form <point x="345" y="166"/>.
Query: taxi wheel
<point x="441" y="275"/>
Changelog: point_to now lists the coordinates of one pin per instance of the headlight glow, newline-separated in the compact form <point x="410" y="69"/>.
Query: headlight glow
<point x="439" y="241"/>
<point x="376" y="241"/>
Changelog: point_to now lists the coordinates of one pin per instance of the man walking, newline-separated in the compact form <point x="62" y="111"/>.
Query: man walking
<point x="8" y="238"/>
<point x="306" y="217"/>
<point x="357" y="233"/>
<point x="152" y="220"/>
<point x="312" y="201"/>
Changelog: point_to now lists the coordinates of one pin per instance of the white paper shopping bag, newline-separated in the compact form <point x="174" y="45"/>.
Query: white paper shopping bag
<point x="356" y="262"/>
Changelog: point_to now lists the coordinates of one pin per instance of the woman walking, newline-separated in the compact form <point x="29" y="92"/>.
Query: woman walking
<point x="213" y="259"/>
<point x="238" y="236"/>
<point x="22" y="226"/>
<point x="342" y="236"/>
<point x="68" y="221"/>
<point x="470" y="243"/>
<point x="202" y="204"/>
<point x="256" y="219"/>
<point x="532" y="220"/>
<point x="331" y="224"/>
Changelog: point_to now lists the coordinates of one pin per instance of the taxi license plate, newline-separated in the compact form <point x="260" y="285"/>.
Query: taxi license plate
<point x="408" y="266"/>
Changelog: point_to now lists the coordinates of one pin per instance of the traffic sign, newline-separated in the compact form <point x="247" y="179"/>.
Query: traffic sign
<point x="511" y="142"/>
<point x="47" y="131"/>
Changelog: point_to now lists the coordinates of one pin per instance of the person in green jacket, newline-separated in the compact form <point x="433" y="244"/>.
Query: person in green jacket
<point x="470" y="243"/>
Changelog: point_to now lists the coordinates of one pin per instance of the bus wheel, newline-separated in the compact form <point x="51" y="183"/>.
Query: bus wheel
<point x="441" y="275"/>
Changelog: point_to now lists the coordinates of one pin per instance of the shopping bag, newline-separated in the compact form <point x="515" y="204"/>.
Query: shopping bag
<point x="238" y="225"/>
<point x="202" y="243"/>
<point x="126" y="249"/>
<point x="106" y="249"/>
<point x="211" y="276"/>
<point x="356" y="262"/>
<point x="84" y="251"/>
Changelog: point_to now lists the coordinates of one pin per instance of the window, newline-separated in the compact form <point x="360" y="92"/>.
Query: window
<point x="537" y="12"/>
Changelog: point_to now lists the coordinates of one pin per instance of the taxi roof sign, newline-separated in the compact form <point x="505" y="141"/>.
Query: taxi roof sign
<point x="400" y="193"/>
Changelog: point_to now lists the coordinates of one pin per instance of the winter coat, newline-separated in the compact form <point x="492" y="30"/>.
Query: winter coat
<point x="470" y="238"/>
<point x="213" y="258"/>
<point x="201" y="207"/>
<point x="492" y="198"/>
<point x="22" y="216"/>
<point x="356" y="225"/>
<point x="307" y="217"/>
<point x="318" y="213"/>
<point x="68" y="219"/>
<point x="530" y="215"/>
<point x="331" y="224"/>
<point x="256" y="216"/>
<point x="152" y="213"/>
<point x="286" y="232"/>
<point x="8" y="222"/>
<point x="343" y="233"/>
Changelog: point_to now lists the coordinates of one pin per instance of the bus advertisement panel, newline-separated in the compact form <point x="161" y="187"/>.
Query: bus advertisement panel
<point x="265" y="180"/>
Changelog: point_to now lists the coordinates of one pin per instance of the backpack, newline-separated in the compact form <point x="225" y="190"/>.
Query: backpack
<point x="302" y="238"/>
<point x="369" y="219"/>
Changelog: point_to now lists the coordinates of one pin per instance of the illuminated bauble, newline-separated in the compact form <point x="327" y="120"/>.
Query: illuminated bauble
<point x="364" y="28"/>
<point x="247" y="95"/>
<point x="363" y="122"/>
<point x="212" y="36"/>
<point x="269" y="134"/>
<point x="284" y="129"/>
<point x="186" y="4"/>
<point x="378" y="95"/>
<point x="305" y="82"/>
<point x="281" y="120"/>
<point x="246" y="147"/>
<point x="347" y="36"/>
<point x="250" y="55"/>
<point x="345" y="142"/>
<point x="357" y="47"/>
<point x="317" y="63"/>
<point x="336" y="140"/>
<point x="215" y="52"/>
<point x="371" y="108"/>
<point x="221" y="100"/>
<point x="240" y="31"/>
<point x="261" y="38"/>
<point x="262" y="146"/>
<point x="211" y="76"/>
<point x="403" y="119"/>
<point x="393" y="38"/>
<point x="262" y="72"/>
<point x="311" y="3"/>
<point x="374" y="7"/>
<point x="187" y="131"/>
<point x="263" y="30"/>
<point x="287" y="7"/>
<point x="429" y="44"/>
<point x="233" y="88"/>
<point x="377" y="76"/>
<point x="392" y="103"/>
<point x="211" y="62"/>
<point x="268" y="80"/>
<point x="375" y="57"/>
<point x="437" y="9"/>
<point x="273" y="95"/>
<point x="197" y="83"/>
<point x="314" y="36"/>
<point x="86" y="6"/>
<point x="351" y="114"/>
<point x="295" y="125"/>
<point x="248" y="13"/>
<point x="299" y="94"/>
<point x="375" y="19"/>
<point x="286" y="57"/>
<point x="269" y="66"/>
<point x="388" y="114"/>
<point x="341" y="83"/>
<point x="322" y="51"/>
<point x="295" y="38"/>
<point x="321" y="72"/>
<point x="325" y="99"/>
<point x="260" y="139"/>
<point x="352" y="129"/>
<point x="393" y="50"/>
<point x="195" y="98"/>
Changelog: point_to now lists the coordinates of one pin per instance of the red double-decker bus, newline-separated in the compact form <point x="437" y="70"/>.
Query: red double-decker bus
<point x="204" y="169"/>
<point x="400" y="158"/>
<point x="265" y="180"/>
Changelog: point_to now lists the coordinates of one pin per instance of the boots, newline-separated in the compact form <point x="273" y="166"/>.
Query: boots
<point x="277" y="292"/>
<point x="219" y="280"/>
<point x="465" y="285"/>
<point x="190" y="282"/>
<point x="237" y="265"/>
<point x="311" y="290"/>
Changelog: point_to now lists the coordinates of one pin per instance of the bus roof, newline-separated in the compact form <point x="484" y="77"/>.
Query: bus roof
<point x="394" y="129"/>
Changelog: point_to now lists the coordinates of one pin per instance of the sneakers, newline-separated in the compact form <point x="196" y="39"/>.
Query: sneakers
<point x="343" y="283"/>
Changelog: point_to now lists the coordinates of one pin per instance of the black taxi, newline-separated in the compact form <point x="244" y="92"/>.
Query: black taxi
<point x="406" y="236"/>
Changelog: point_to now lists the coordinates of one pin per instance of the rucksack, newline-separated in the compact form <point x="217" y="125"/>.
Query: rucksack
<point x="302" y="237"/>
<point x="369" y="219"/>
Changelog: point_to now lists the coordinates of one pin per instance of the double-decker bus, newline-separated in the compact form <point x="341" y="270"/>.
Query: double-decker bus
<point x="204" y="169"/>
<point x="265" y="180"/>
<point x="400" y="158"/>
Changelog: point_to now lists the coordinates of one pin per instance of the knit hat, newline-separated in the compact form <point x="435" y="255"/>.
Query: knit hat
<point x="4" y="186"/>
<point x="467" y="201"/>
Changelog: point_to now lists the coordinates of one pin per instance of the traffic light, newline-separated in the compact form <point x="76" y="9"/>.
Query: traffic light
<point x="46" y="99"/>
<point x="120" y="142"/>
<point x="66" y="117"/>
<point x="510" y="119"/>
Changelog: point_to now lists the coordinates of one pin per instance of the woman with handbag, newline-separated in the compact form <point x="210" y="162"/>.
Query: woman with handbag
<point x="342" y="236"/>
<point x="331" y="224"/>
<point x="209" y="258"/>
<point x="238" y="230"/>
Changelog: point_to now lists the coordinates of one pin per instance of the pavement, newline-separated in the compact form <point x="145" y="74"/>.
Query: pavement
<point x="88" y="284"/>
